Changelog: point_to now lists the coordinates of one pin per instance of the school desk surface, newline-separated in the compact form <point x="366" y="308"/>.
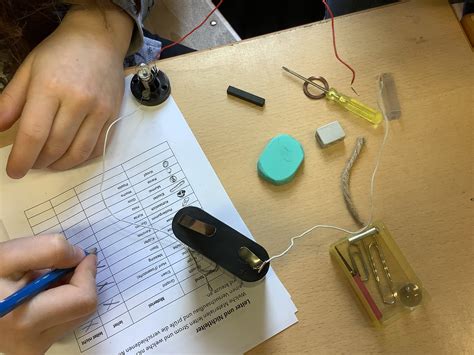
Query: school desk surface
<point x="424" y="188"/>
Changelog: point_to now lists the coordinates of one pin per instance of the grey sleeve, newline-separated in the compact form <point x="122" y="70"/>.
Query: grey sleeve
<point x="138" y="15"/>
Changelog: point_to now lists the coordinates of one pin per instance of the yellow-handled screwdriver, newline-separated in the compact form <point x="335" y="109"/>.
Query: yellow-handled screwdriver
<point x="350" y="104"/>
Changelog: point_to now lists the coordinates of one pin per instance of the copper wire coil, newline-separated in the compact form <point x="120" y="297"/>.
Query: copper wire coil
<point x="322" y="81"/>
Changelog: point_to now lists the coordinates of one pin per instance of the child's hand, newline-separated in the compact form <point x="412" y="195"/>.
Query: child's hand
<point x="67" y="91"/>
<point x="35" y="325"/>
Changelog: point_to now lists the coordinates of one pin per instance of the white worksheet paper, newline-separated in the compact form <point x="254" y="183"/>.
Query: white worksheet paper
<point x="152" y="298"/>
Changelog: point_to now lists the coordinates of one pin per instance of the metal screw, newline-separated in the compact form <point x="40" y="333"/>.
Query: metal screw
<point x="410" y="295"/>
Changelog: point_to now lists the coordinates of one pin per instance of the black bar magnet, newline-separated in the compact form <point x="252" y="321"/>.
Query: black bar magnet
<point x="244" y="95"/>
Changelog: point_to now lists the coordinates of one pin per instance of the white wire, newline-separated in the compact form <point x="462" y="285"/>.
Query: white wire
<point x="101" y="188"/>
<point x="327" y="226"/>
<point x="292" y="240"/>
<point x="104" y="152"/>
<point x="376" y="168"/>
<point x="204" y="272"/>
<point x="104" y="156"/>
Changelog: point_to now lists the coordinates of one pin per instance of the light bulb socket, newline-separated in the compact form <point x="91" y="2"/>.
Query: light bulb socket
<point x="150" y="86"/>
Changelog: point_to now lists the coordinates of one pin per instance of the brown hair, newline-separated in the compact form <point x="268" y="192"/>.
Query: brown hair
<point x="23" y="24"/>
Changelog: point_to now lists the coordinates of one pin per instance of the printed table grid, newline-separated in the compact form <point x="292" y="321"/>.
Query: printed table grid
<point x="139" y="269"/>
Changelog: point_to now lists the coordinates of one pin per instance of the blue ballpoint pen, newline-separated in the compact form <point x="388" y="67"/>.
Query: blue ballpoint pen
<point x="33" y="288"/>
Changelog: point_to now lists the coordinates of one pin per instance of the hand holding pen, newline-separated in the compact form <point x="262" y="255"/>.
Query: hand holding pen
<point x="39" y="321"/>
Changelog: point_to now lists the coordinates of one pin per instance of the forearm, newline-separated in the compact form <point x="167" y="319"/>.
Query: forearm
<point x="104" y="19"/>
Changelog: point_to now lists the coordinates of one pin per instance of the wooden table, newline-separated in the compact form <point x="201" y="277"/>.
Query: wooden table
<point x="424" y="188"/>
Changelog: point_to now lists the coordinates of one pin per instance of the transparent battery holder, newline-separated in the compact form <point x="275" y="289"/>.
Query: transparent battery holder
<point x="379" y="274"/>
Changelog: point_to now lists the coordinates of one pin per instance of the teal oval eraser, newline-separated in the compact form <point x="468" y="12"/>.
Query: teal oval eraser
<point x="280" y="159"/>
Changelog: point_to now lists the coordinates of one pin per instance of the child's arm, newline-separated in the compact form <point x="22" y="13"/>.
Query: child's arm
<point x="35" y="325"/>
<point x="67" y="90"/>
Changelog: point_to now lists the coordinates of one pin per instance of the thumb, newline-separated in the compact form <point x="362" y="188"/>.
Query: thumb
<point x="13" y="97"/>
<point x="37" y="253"/>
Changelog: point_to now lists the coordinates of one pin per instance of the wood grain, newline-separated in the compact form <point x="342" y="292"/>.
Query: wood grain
<point x="424" y="189"/>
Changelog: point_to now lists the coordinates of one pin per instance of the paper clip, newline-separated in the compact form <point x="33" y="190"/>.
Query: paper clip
<point x="355" y="253"/>
<point x="388" y="277"/>
<point x="372" y="250"/>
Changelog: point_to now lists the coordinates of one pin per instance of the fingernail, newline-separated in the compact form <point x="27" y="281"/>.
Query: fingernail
<point x="14" y="174"/>
<point x="79" y="251"/>
<point x="91" y="251"/>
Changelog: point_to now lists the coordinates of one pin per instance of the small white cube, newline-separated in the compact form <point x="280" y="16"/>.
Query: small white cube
<point x="329" y="134"/>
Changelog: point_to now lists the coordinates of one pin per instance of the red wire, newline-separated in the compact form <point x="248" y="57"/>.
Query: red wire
<point x="220" y="3"/>
<point x="189" y="33"/>
<point x="334" y="41"/>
